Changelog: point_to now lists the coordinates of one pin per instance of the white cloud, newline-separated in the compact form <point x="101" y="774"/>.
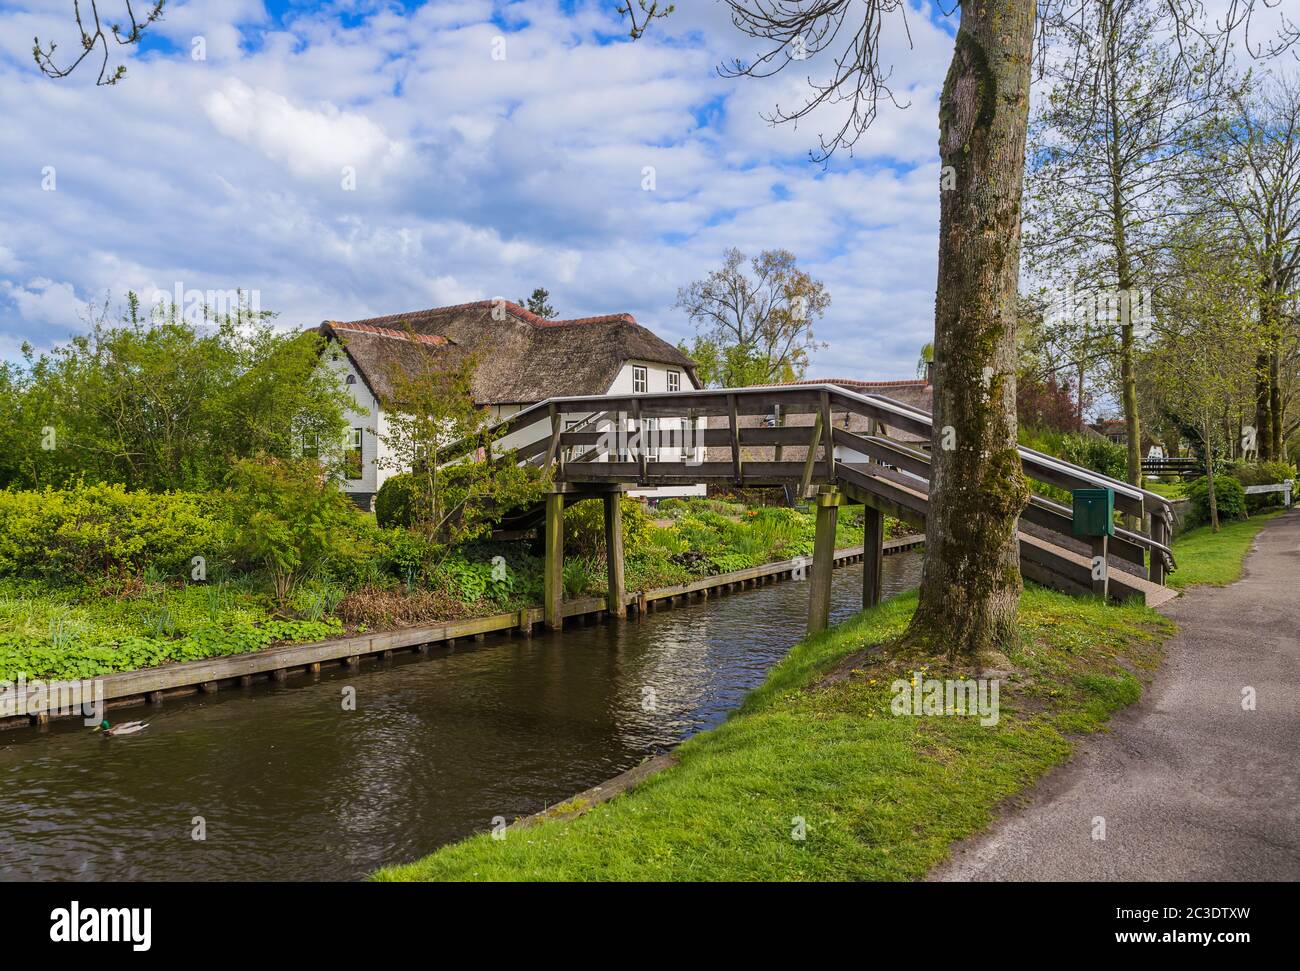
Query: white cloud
<point x="308" y="141"/>
<point x="475" y="177"/>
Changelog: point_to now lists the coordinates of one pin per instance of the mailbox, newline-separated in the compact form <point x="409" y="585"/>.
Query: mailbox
<point x="1094" y="512"/>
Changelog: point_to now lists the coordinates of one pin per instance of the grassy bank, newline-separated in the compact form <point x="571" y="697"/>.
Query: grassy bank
<point x="1216" y="558"/>
<point x="881" y="795"/>
<point x="84" y="624"/>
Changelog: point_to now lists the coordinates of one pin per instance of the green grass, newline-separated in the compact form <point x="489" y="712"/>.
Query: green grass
<point x="882" y="796"/>
<point x="1170" y="490"/>
<point x="1204" y="556"/>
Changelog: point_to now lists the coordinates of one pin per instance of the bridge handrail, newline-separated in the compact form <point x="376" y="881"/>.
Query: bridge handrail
<point x="879" y="406"/>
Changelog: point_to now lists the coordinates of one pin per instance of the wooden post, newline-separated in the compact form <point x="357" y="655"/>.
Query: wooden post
<point x="614" y="554"/>
<point x="828" y="431"/>
<point x="737" y="463"/>
<point x="823" y="565"/>
<point x="1159" y="533"/>
<point x="811" y="459"/>
<point x="873" y="555"/>
<point x="553" y="447"/>
<point x="553" y="569"/>
<point x="1100" y="585"/>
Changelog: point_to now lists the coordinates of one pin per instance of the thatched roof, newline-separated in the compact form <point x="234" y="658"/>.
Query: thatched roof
<point x="918" y="393"/>
<point x="519" y="357"/>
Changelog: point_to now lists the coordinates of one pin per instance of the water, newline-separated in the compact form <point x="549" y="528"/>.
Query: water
<point x="292" y="787"/>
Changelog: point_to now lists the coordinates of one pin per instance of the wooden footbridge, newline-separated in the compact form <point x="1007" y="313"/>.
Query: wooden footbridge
<point x="833" y="446"/>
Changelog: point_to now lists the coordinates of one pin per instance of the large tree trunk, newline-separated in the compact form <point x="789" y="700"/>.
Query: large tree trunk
<point x="970" y="583"/>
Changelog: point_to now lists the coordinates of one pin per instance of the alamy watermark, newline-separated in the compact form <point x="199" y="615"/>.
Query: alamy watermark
<point x="1103" y="308"/>
<point x="54" y="698"/>
<point x="199" y="306"/>
<point x="948" y="696"/>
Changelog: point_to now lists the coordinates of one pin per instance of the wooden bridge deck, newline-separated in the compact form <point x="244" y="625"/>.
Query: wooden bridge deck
<point x="833" y="446"/>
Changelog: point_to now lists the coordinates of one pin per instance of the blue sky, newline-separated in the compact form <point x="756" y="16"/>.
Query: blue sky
<point x="475" y="176"/>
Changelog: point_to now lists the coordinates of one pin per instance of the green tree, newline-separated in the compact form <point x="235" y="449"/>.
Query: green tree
<point x="1259" y="144"/>
<point x="1111" y="144"/>
<point x="755" y="325"/>
<point x="971" y="582"/>
<point x="1206" y="337"/>
<point x="539" y="304"/>
<point x="458" y="488"/>
<point x="287" y="516"/>
<point x="163" y="403"/>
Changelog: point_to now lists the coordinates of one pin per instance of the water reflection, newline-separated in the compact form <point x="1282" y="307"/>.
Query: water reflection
<point x="291" y="786"/>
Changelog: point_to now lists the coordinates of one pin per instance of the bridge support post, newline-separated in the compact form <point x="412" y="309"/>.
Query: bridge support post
<point x="873" y="555"/>
<point x="823" y="565"/>
<point x="553" y="568"/>
<point x="614" y="602"/>
<point x="1159" y="533"/>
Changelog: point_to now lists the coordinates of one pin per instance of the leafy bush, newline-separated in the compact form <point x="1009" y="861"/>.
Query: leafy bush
<point x="287" y="518"/>
<point x="580" y="575"/>
<point x="81" y="654"/>
<point x="1229" y="498"/>
<point x="89" y="531"/>
<point x="584" y="526"/>
<point x="394" y="501"/>
<point x="471" y="581"/>
<point x="1091" y="451"/>
<point x="1261" y="473"/>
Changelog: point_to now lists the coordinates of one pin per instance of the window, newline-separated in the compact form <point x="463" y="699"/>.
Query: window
<point x="650" y="437"/>
<point x="640" y="379"/>
<point x="351" y="379"/>
<point x="674" y="380"/>
<point x="310" y="445"/>
<point x="352" y="460"/>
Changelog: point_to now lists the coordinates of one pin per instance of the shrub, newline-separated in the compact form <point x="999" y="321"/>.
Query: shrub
<point x="90" y="531"/>
<point x="394" y="501"/>
<point x="471" y="581"/>
<point x="287" y="518"/>
<point x="584" y="526"/>
<point x="1229" y="497"/>
<point x="1089" y="450"/>
<point x="1261" y="473"/>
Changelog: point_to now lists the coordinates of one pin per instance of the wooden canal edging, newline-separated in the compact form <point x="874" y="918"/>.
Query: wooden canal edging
<point x="153" y="685"/>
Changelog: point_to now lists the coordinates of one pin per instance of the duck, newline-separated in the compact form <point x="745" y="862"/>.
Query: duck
<point x="126" y="728"/>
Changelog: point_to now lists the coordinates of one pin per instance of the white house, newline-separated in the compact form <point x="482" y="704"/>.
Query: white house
<point x="520" y="359"/>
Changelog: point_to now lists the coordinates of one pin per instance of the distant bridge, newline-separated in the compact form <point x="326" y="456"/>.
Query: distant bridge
<point x="829" y="444"/>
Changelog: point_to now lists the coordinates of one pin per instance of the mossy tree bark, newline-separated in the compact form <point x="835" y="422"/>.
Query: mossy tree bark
<point x="970" y="585"/>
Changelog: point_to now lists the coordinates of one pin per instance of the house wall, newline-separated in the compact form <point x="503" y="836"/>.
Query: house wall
<point x="623" y="383"/>
<point x="367" y="415"/>
<point x="364" y="413"/>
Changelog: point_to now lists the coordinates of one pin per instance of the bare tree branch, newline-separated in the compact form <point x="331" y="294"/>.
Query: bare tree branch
<point x="94" y="37"/>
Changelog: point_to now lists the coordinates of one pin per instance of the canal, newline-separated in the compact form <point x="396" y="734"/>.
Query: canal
<point x="291" y="786"/>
